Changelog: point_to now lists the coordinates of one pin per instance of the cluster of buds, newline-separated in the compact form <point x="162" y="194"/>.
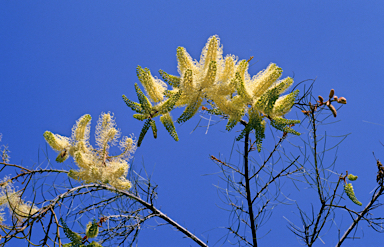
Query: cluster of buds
<point x="331" y="98"/>
<point x="348" y="188"/>
<point x="380" y="173"/>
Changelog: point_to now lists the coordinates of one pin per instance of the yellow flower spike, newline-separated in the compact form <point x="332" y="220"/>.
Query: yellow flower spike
<point x="210" y="77"/>
<point x="241" y="89"/>
<point x="184" y="61"/>
<point x="57" y="142"/>
<point x="187" y="81"/>
<point x="348" y="188"/>
<point x="106" y="131"/>
<point x="287" y="83"/>
<point x="96" y="165"/>
<point x="80" y="130"/>
<point x="284" y="104"/>
<point x="153" y="87"/>
<point x="73" y="174"/>
<point x="127" y="146"/>
<point x="263" y="80"/>
<point x="211" y="52"/>
<point x="82" y="160"/>
<point x="228" y="70"/>
<point x="242" y="68"/>
<point x="17" y="206"/>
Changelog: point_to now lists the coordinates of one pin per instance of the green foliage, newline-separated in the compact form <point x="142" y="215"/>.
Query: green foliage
<point x="172" y="80"/>
<point x="191" y="110"/>
<point x="169" y="104"/>
<point x="167" y="121"/>
<point x="133" y="105"/>
<point x="154" y="129"/>
<point x="144" y="130"/>
<point x="267" y="100"/>
<point x="255" y="123"/>
<point x="283" y="125"/>
<point x="144" y="101"/>
<point x="76" y="240"/>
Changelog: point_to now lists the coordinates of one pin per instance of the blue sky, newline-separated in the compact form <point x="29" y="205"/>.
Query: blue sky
<point x="61" y="60"/>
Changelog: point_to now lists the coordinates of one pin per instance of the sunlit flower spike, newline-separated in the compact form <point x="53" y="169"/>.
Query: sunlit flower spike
<point x="95" y="165"/>
<point x="155" y="89"/>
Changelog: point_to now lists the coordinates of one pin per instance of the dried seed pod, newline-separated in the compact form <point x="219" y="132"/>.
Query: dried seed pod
<point x="379" y="164"/>
<point x="305" y="112"/>
<point x="333" y="110"/>
<point x="331" y="93"/>
<point x="351" y="194"/>
<point x="342" y="100"/>
<point x="335" y="98"/>
<point x="321" y="99"/>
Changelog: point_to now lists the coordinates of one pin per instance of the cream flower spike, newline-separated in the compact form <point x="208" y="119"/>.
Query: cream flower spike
<point x="226" y="86"/>
<point x="198" y="79"/>
<point x="153" y="87"/>
<point x="95" y="165"/>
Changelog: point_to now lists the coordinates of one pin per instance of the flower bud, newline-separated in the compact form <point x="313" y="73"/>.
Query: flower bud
<point x="352" y="177"/>
<point x="335" y="98"/>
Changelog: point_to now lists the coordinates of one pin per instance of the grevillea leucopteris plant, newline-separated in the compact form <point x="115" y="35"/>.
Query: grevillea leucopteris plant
<point x="224" y="84"/>
<point x="96" y="165"/>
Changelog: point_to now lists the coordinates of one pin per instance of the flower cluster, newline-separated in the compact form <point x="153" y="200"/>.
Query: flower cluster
<point x="96" y="165"/>
<point x="9" y="197"/>
<point x="224" y="82"/>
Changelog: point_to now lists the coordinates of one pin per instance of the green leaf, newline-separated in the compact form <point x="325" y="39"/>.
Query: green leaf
<point x="144" y="101"/>
<point x="133" y="105"/>
<point x="283" y="125"/>
<point x="168" y="105"/>
<point x="140" y="117"/>
<point x="144" y="130"/>
<point x="216" y="111"/>
<point x="172" y="80"/>
<point x="154" y="129"/>
<point x="191" y="110"/>
<point x="74" y="237"/>
<point x="167" y="121"/>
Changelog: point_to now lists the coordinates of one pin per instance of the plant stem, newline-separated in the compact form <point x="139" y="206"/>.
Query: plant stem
<point x="248" y="189"/>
